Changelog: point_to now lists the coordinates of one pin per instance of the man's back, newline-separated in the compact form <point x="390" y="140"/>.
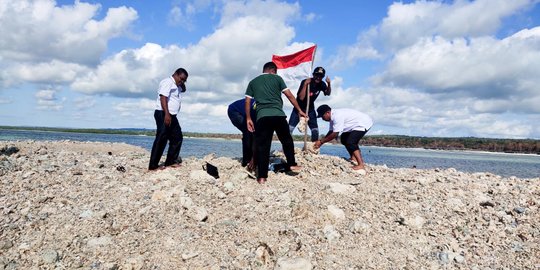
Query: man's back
<point x="344" y="120"/>
<point x="266" y="90"/>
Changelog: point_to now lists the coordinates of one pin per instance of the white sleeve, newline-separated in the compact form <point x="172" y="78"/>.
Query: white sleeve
<point x="164" y="88"/>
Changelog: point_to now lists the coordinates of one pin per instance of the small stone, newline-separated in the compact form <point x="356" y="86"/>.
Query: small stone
<point x="99" y="241"/>
<point x="24" y="247"/>
<point x="443" y="257"/>
<point x="263" y="254"/>
<point x="11" y="265"/>
<point x="293" y="264"/>
<point x="161" y="195"/>
<point x="186" y="202"/>
<point x="336" y="212"/>
<point x="459" y="259"/>
<point x="416" y="222"/>
<point x="5" y="244"/>
<point x="359" y="226"/>
<point x="201" y="176"/>
<point x="50" y="256"/>
<point x="520" y="210"/>
<point x="111" y="266"/>
<point x="133" y="264"/>
<point x="339" y="188"/>
<point x="228" y="186"/>
<point x="198" y="214"/>
<point x="86" y="214"/>
<point x="221" y="195"/>
<point x="487" y="204"/>
<point x="330" y="233"/>
<point x="190" y="255"/>
<point x="28" y="174"/>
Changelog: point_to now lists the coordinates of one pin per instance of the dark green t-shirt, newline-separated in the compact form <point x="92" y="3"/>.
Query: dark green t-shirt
<point x="266" y="89"/>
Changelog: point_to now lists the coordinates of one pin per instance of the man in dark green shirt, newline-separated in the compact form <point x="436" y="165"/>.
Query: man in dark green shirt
<point x="266" y="89"/>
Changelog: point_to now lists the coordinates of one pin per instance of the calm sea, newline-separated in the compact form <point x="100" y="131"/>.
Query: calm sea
<point x="523" y="166"/>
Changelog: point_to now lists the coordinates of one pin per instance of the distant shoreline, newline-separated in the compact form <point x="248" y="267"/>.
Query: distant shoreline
<point x="516" y="146"/>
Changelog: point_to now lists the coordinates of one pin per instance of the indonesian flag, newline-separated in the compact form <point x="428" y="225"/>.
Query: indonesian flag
<point x="295" y="67"/>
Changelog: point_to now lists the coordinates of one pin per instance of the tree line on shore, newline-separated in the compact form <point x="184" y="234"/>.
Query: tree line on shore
<point x="526" y="146"/>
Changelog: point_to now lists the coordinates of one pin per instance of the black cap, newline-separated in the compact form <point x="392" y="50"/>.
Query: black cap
<point x="322" y="109"/>
<point x="319" y="71"/>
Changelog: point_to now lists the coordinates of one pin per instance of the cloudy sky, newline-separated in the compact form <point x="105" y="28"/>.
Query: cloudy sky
<point x="423" y="68"/>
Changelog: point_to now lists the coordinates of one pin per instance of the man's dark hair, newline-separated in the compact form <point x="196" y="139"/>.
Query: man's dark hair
<point x="269" y="66"/>
<point x="181" y="71"/>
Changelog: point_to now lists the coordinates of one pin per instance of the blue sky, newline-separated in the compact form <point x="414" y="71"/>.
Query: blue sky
<point x="422" y="68"/>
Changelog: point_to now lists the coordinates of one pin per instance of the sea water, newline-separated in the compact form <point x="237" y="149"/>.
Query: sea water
<point x="519" y="165"/>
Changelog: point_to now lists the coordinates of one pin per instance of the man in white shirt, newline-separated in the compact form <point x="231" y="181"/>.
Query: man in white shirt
<point x="168" y="128"/>
<point x="352" y="125"/>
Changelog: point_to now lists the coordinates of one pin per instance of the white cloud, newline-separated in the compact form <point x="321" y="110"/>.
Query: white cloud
<point x="446" y="73"/>
<point x="136" y="108"/>
<point x="485" y="68"/>
<point x="232" y="55"/>
<point x="46" y="95"/>
<point x="84" y="103"/>
<point x="182" y="17"/>
<point x="41" y="31"/>
<point x="410" y="112"/>
<point x="47" y="100"/>
<point x="405" y="24"/>
<point x="46" y="72"/>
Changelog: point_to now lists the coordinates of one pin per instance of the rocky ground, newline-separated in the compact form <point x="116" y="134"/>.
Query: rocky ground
<point x="68" y="205"/>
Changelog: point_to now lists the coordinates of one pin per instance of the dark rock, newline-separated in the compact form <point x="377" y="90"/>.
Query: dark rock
<point x="486" y="204"/>
<point x="8" y="150"/>
<point x="121" y="168"/>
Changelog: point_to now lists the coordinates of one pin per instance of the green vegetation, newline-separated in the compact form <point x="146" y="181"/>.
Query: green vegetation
<point x="528" y="146"/>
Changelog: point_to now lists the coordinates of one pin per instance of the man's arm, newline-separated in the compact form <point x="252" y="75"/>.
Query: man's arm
<point x="182" y="87"/>
<point x="165" y="107"/>
<point x="329" y="88"/>
<point x="303" y="89"/>
<point x="328" y="137"/>
<point x="247" y="107"/>
<point x="291" y="98"/>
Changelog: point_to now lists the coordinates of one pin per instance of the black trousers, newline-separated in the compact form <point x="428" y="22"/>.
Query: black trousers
<point x="172" y="134"/>
<point x="350" y="140"/>
<point x="239" y="121"/>
<point x="264" y="131"/>
<point x="294" y="119"/>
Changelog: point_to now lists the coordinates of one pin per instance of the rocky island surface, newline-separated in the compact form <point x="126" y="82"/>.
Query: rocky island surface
<point x="69" y="205"/>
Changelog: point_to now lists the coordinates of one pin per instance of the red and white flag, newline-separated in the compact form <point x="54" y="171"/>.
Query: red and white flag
<point x="295" y="67"/>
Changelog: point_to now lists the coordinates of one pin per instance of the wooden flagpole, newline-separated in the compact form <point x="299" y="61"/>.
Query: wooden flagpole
<point x="307" y="99"/>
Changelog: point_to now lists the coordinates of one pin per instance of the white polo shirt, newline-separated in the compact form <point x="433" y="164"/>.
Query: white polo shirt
<point x="345" y="120"/>
<point x="168" y="88"/>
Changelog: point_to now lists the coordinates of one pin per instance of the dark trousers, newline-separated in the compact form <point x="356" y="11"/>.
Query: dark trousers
<point x="264" y="131"/>
<point x="239" y="121"/>
<point x="312" y="123"/>
<point x="350" y="140"/>
<point x="172" y="134"/>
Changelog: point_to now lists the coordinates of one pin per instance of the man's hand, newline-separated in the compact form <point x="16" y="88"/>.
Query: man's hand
<point x="182" y="87"/>
<point x="167" y="119"/>
<point x="327" y="80"/>
<point x="250" y="125"/>
<point x="317" y="144"/>
<point x="303" y="114"/>
<point x="308" y="80"/>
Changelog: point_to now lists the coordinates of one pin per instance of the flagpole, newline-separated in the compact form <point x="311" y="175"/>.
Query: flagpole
<point x="307" y="99"/>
